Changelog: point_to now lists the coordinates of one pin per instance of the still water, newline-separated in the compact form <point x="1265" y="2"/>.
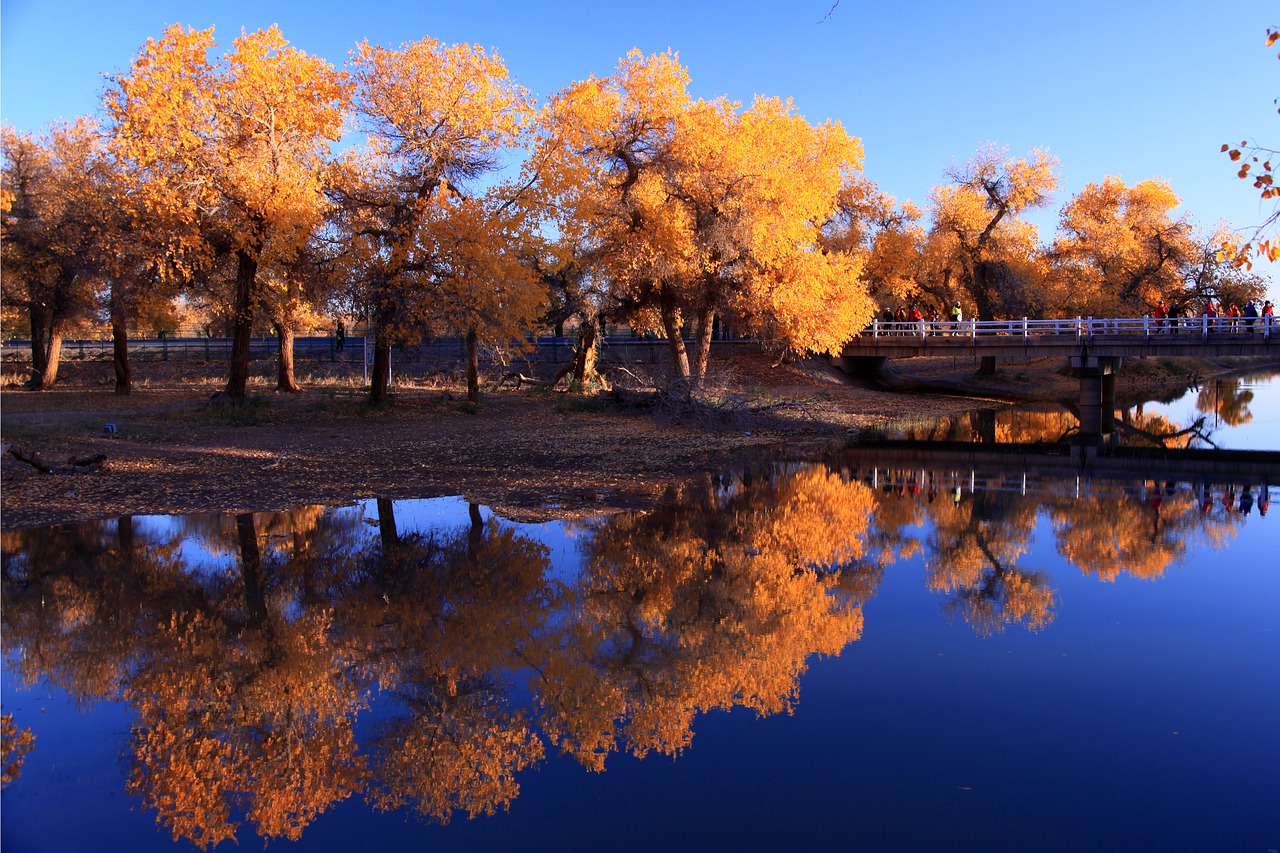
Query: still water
<point x="960" y="652"/>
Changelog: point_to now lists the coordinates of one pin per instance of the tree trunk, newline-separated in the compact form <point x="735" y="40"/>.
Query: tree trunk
<point x="124" y="542"/>
<point x="387" y="532"/>
<point x="702" y="351"/>
<point x="120" y="354"/>
<point x="242" y="328"/>
<point x="475" y="533"/>
<point x="584" y="360"/>
<point x="284" y="372"/>
<point x="255" y="598"/>
<point x="982" y="298"/>
<point x="52" y="358"/>
<point x="473" y="367"/>
<point x="38" y="318"/>
<point x="671" y="325"/>
<point x="380" y="381"/>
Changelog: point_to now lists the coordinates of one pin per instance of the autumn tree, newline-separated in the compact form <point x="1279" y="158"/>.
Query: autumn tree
<point x="977" y="238"/>
<point x="871" y="224"/>
<point x="1210" y="274"/>
<point x="1122" y="248"/>
<point x="702" y="209"/>
<point x="231" y="150"/>
<point x="53" y="248"/>
<point x="410" y="227"/>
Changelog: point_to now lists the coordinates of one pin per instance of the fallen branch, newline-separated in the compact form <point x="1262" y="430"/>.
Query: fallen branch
<point x="517" y="379"/>
<point x="72" y="466"/>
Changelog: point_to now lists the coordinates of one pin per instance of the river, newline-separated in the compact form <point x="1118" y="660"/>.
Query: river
<point x="982" y="648"/>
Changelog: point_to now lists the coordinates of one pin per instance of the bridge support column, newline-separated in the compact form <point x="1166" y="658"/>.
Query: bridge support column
<point x="1097" y="375"/>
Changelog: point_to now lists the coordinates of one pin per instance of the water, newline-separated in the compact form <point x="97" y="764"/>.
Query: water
<point x="849" y="653"/>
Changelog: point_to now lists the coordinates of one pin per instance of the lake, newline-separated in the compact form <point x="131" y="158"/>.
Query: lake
<point x="989" y="644"/>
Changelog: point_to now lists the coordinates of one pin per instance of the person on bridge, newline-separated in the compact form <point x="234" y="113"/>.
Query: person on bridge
<point x="1161" y="313"/>
<point x="957" y="317"/>
<point x="1233" y="317"/>
<point x="1211" y="312"/>
<point x="1250" y="315"/>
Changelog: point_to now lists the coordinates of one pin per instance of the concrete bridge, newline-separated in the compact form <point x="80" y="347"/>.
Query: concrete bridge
<point x="1096" y="347"/>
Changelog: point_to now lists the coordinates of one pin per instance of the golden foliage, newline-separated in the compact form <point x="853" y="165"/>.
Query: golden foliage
<point x="232" y="149"/>
<point x="1122" y="248"/>
<point x="714" y="601"/>
<point x="15" y="743"/>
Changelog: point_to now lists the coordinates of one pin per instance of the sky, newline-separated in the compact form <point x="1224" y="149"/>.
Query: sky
<point x="1110" y="87"/>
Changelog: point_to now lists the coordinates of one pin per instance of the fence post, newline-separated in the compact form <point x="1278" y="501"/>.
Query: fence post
<point x="875" y="329"/>
<point x="973" y="331"/>
<point x="1089" y="320"/>
<point x="1146" y="327"/>
<point x="1024" y="330"/>
<point x="1204" y="327"/>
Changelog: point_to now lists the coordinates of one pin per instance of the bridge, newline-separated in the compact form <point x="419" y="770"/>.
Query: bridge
<point x="1096" y="347"/>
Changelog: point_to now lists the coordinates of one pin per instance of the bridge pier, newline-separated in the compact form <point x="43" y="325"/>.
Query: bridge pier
<point x="1097" y="375"/>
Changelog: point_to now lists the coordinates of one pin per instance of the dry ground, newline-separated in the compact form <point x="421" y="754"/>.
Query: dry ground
<point x="530" y="454"/>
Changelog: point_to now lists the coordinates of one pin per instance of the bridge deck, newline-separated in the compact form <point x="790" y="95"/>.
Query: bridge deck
<point x="1141" y="336"/>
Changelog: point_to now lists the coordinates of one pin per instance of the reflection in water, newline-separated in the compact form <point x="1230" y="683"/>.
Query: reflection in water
<point x="1218" y="404"/>
<point x="250" y="660"/>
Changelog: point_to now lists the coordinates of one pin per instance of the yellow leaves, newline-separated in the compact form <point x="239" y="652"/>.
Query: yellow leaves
<point x="15" y="743"/>
<point x="245" y="135"/>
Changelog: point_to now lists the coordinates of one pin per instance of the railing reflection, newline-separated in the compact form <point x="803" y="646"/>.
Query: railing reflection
<point x="251" y="646"/>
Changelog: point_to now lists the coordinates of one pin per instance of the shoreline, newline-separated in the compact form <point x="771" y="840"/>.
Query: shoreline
<point x="530" y="455"/>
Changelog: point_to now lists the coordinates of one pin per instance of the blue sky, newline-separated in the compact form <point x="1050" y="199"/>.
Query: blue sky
<point x="1135" y="89"/>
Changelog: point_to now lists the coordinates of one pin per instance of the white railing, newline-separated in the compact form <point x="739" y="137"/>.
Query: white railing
<point x="1079" y="328"/>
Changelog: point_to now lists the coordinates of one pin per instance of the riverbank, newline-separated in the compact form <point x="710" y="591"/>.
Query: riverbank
<point x="530" y="454"/>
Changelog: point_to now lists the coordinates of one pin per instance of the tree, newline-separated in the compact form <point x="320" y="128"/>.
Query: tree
<point x="483" y="289"/>
<point x="232" y="151"/>
<point x="1122" y="249"/>
<point x="699" y="210"/>
<point x="437" y="118"/>
<point x="869" y="223"/>
<point x="976" y="231"/>
<point x="52" y="241"/>
<point x="1210" y="274"/>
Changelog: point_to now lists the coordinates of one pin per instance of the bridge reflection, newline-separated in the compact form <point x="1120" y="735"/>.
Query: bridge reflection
<point x="1060" y="470"/>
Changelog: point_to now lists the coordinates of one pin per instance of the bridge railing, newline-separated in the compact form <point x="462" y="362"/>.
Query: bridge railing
<point x="1079" y="328"/>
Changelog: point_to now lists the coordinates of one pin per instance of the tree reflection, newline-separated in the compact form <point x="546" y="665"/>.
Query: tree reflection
<point x="973" y="554"/>
<point x="715" y="600"/>
<point x="444" y="621"/>
<point x="251" y="667"/>
<point x="1225" y="399"/>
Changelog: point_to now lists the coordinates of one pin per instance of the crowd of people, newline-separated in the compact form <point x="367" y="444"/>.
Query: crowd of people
<point x="1229" y="317"/>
